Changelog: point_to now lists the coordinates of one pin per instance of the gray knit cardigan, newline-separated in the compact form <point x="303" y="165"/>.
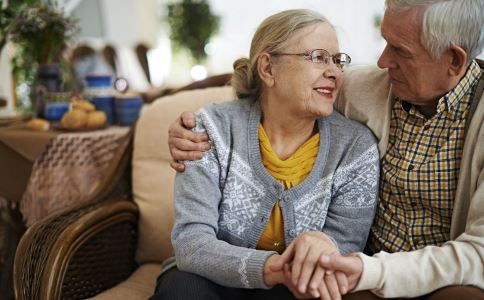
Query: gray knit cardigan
<point x="223" y="201"/>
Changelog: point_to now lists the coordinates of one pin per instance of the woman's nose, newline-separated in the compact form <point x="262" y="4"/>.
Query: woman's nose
<point x="332" y="72"/>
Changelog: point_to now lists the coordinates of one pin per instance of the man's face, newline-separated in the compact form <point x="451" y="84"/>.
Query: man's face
<point x="415" y="76"/>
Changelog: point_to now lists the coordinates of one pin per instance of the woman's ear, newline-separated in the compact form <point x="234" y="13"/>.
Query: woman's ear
<point x="265" y="69"/>
<point x="458" y="63"/>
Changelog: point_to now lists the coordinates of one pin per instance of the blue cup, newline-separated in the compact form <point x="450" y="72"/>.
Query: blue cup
<point x="127" y="109"/>
<point x="105" y="104"/>
<point x="55" y="111"/>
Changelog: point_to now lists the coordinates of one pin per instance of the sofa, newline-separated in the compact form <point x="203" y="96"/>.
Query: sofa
<point x="113" y="247"/>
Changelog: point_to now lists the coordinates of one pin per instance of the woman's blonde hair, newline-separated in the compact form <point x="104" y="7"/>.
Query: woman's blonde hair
<point x="269" y="37"/>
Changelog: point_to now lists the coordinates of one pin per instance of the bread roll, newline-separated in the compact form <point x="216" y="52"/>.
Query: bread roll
<point x="82" y="105"/>
<point x="38" y="124"/>
<point x="74" y="119"/>
<point x="96" y="119"/>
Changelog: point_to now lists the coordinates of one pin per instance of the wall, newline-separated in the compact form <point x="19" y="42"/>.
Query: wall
<point x="6" y="83"/>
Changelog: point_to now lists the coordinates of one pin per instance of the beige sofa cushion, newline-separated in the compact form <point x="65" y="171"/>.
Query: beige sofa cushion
<point x="139" y="286"/>
<point x="152" y="176"/>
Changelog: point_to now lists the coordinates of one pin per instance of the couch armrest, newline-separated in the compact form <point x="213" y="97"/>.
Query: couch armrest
<point x="77" y="256"/>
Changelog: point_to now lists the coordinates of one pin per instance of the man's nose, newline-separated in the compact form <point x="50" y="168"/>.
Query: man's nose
<point x="385" y="61"/>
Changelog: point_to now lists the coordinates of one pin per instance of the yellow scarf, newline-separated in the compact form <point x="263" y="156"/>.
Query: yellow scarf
<point x="290" y="173"/>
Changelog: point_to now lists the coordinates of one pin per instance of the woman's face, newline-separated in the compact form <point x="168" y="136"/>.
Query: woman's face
<point x="307" y="89"/>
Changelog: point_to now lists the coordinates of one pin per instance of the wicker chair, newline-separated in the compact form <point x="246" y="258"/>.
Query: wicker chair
<point x="113" y="247"/>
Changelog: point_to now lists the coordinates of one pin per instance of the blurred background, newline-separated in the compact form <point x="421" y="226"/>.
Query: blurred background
<point x="126" y="23"/>
<point x="158" y="45"/>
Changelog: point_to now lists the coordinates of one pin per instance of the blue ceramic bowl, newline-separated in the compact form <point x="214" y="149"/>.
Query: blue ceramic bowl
<point x="127" y="109"/>
<point x="105" y="104"/>
<point x="55" y="111"/>
<point x="99" y="81"/>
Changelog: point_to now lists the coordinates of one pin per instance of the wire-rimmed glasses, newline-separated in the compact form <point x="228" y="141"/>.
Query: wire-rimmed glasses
<point x="321" y="56"/>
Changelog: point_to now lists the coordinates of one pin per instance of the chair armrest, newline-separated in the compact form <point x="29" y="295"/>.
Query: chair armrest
<point x="77" y="255"/>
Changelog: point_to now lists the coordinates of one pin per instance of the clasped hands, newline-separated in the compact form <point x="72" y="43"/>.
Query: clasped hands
<point x="312" y="267"/>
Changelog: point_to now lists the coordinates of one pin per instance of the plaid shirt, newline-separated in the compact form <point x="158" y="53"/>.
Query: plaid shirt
<point x="419" y="172"/>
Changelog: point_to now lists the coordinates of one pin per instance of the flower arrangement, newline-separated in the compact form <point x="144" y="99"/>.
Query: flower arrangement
<point x="192" y="24"/>
<point x="39" y="32"/>
<point x="42" y="31"/>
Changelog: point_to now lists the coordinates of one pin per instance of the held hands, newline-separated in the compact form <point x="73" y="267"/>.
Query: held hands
<point x="303" y="275"/>
<point x="351" y="265"/>
<point x="185" y="144"/>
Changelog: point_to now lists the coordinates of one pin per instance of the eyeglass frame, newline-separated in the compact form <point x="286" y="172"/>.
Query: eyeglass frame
<point x="309" y="55"/>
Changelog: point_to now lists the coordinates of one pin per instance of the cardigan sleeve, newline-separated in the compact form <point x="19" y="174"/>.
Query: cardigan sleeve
<point x="194" y="236"/>
<point x="352" y="207"/>
<point x="419" y="272"/>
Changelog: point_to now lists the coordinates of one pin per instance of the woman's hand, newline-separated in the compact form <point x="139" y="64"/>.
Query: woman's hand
<point x="329" y="287"/>
<point x="271" y="277"/>
<point x="185" y="144"/>
<point x="303" y="254"/>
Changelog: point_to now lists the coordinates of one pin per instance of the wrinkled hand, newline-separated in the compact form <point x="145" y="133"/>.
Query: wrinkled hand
<point x="185" y="144"/>
<point x="303" y="254"/>
<point x="351" y="265"/>
<point x="272" y="277"/>
<point x="325" y="288"/>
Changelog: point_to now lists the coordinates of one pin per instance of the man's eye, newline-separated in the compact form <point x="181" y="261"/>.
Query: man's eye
<point x="401" y="52"/>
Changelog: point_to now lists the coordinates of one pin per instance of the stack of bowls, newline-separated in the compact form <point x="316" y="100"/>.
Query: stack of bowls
<point x="127" y="109"/>
<point x="99" y="90"/>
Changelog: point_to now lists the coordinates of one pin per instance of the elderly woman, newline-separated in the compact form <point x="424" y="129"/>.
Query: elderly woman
<point x="283" y="167"/>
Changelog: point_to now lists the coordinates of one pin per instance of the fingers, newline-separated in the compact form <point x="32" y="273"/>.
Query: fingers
<point x="351" y="266"/>
<point x="177" y="166"/>
<point x="186" y="155"/>
<point x="323" y="291"/>
<point x="316" y="280"/>
<point x="188" y="119"/>
<point x="332" y="286"/>
<point x="309" y="266"/>
<point x="337" y="262"/>
<point x="176" y="130"/>
<point x="181" y="129"/>
<point x="342" y="282"/>
<point x="187" y="145"/>
<point x="300" y="254"/>
<point x="283" y="259"/>
<point x="288" y="282"/>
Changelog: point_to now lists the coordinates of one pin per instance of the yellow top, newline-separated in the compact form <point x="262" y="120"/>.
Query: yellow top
<point x="290" y="173"/>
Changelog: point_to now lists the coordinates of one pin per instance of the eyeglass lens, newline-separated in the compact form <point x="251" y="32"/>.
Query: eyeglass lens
<point x="322" y="56"/>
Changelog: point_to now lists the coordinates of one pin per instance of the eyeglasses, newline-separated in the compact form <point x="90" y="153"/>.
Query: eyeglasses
<point x="321" y="56"/>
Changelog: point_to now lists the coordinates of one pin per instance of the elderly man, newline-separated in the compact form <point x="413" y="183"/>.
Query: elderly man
<point x="427" y="111"/>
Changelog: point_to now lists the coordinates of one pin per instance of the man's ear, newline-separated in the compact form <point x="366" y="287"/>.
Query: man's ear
<point x="458" y="63"/>
<point x="265" y="69"/>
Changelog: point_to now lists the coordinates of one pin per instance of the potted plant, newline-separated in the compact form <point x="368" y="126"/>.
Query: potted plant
<point x="40" y="33"/>
<point x="192" y="24"/>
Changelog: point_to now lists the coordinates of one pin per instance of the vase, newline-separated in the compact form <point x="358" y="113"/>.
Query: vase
<point x="49" y="76"/>
<point x="48" y="81"/>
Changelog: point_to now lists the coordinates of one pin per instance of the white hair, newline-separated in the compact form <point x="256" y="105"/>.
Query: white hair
<point x="447" y="22"/>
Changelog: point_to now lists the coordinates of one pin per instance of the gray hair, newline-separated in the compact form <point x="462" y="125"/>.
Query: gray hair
<point x="269" y="37"/>
<point x="447" y="22"/>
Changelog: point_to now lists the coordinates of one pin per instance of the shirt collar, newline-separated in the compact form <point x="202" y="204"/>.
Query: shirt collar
<point x="454" y="101"/>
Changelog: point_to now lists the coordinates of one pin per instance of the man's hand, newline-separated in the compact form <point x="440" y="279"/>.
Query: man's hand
<point x="303" y="254"/>
<point x="350" y="265"/>
<point x="185" y="144"/>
